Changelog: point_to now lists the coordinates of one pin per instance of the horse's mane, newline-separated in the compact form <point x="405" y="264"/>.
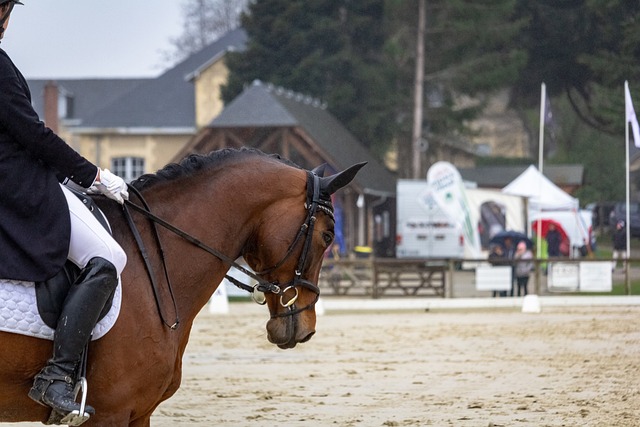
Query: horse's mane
<point x="196" y="162"/>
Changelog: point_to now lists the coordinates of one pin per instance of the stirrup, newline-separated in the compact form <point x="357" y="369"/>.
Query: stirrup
<point x="73" y="418"/>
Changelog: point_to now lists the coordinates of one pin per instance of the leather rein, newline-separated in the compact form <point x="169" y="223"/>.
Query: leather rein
<point x="313" y="203"/>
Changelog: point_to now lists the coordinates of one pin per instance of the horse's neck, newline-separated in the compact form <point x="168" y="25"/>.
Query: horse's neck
<point x="193" y="269"/>
<point x="222" y="208"/>
<point x="221" y="213"/>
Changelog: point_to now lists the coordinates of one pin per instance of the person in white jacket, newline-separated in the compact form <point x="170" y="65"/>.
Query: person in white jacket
<point x="524" y="265"/>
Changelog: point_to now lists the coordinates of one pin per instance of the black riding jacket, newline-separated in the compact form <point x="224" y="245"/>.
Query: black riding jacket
<point x="34" y="216"/>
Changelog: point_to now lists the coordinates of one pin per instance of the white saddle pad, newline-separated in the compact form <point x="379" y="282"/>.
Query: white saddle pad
<point x="19" y="311"/>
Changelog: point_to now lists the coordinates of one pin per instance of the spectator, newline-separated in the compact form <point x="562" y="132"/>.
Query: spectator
<point x="497" y="257"/>
<point x="619" y="244"/>
<point x="509" y="253"/>
<point x="554" y="239"/>
<point x="524" y="266"/>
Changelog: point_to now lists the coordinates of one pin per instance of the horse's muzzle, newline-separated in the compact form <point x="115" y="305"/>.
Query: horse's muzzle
<point x="287" y="332"/>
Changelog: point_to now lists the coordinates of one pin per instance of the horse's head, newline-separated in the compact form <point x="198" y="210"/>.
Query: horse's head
<point x="288" y="250"/>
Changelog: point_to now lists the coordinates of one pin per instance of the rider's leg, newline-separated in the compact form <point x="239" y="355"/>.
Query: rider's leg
<point x="101" y="260"/>
<point x="54" y="385"/>
<point x="89" y="239"/>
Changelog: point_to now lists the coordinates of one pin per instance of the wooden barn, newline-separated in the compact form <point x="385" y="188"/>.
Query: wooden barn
<point x="299" y="128"/>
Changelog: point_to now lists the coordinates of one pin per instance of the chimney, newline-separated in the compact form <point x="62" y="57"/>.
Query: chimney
<point x="51" y="105"/>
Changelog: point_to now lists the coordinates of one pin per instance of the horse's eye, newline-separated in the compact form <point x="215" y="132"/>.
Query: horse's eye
<point x="328" y="238"/>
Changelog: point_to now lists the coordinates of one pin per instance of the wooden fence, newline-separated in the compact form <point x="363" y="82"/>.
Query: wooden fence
<point x="387" y="277"/>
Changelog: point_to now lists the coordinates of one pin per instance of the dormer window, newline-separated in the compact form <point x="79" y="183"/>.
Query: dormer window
<point x="65" y="103"/>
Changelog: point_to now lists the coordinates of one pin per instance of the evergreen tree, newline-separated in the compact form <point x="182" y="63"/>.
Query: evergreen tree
<point x="330" y="49"/>
<point x="359" y="56"/>
<point x="469" y="53"/>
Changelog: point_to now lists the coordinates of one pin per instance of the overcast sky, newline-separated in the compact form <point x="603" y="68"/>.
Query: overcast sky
<point x="92" y="38"/>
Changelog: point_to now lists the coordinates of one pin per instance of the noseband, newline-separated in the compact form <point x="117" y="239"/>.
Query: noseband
<point x="312" y="204"/>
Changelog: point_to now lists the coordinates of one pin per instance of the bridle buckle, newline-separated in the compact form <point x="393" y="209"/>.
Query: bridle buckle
<point x="292" y="300"/>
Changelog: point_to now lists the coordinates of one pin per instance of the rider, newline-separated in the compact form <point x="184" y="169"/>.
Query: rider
<point x="42" y="224"/>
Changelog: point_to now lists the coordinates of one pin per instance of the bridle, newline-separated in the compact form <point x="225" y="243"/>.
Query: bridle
<point x="314" y="203"/>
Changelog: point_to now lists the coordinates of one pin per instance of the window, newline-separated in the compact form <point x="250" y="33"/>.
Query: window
<point x="128" y="168"/>
<point x="65" y="104"/>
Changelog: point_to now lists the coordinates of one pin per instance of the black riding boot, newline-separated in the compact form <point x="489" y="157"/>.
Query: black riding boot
<point x="54" y="385"/>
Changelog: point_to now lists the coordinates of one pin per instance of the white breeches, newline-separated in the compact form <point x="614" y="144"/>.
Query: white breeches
<point x="89" y="239"/>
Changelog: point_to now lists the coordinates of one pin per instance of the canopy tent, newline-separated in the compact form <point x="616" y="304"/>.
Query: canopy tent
<point x="543" y="194"/>
<point x="547" y="201"/>
<point x="575" y="226"/>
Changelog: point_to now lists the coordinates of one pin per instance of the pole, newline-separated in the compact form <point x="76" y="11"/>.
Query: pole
<point x="416" y="136"/>
<point x="543" y="97"/>
<point x="626" y="166"/>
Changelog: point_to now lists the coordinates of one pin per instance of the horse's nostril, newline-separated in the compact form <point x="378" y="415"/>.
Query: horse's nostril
<point x="308" y="337"/>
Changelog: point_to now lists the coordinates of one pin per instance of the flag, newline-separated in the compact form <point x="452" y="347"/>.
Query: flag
<point x="630" y="115"/>
<point x="339" y="221"/>
<point x="551" y="125"/>
<point x="548" y="114"/>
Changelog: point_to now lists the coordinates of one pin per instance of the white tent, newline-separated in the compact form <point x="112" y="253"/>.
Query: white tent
<point x="576" y="225"/>
<point x="548" y="201"/>
<point x="543" y="194"/>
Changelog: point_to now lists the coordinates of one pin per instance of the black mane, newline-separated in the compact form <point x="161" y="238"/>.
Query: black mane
<point x="196" y="162"/>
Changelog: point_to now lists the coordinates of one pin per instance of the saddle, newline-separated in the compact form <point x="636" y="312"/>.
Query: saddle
<point x="51" y="294"/>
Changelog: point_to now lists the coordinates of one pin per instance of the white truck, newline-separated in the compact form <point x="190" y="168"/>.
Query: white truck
<point x="425" y="230"/>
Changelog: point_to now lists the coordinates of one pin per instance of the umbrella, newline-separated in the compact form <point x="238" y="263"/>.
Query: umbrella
<point x="545" y="227"/>
<point x="515" y="236"/>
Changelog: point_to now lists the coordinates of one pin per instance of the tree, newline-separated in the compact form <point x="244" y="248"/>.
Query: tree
<point x="469" y="53"/>
<point x="204" y="22"/>
<point x="329" y="49"/>
<point x="581" y="49"/>
<point x="359" y="56"/>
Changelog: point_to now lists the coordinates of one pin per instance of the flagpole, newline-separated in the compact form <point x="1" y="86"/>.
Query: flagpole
<point x="543" y="96"/>
<point x="626" y="164"/>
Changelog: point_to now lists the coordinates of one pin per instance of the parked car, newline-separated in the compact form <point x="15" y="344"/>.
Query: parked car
<point x="619" y="213"/>
<point x="601" y="213"/>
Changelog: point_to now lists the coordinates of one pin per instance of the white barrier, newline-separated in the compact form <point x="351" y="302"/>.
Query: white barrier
<point x="219" y="302"/>
<point x="531" y="304"/>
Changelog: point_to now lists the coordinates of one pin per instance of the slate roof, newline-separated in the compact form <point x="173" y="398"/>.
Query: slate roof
<point x="263" y="105"/>
<point x="500" y="176"/>
<point x="167" y="101"/>
<point x="89" y="95"/>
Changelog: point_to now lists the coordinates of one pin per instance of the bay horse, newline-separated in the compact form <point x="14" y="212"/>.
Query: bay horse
<point x="232" y="202"/>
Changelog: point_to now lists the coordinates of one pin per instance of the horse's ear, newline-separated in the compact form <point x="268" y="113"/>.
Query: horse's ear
<point x="319" y="170"/>
<point x="333" y="183"/>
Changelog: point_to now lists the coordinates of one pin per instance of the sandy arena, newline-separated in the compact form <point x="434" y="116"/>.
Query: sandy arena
<point x="563" y="367"/>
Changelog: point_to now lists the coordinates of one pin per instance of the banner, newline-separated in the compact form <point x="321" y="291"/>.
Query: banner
<point x="447" y="189"/>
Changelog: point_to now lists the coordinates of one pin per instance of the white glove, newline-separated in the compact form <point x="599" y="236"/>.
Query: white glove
<point x="111" y="186"/>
